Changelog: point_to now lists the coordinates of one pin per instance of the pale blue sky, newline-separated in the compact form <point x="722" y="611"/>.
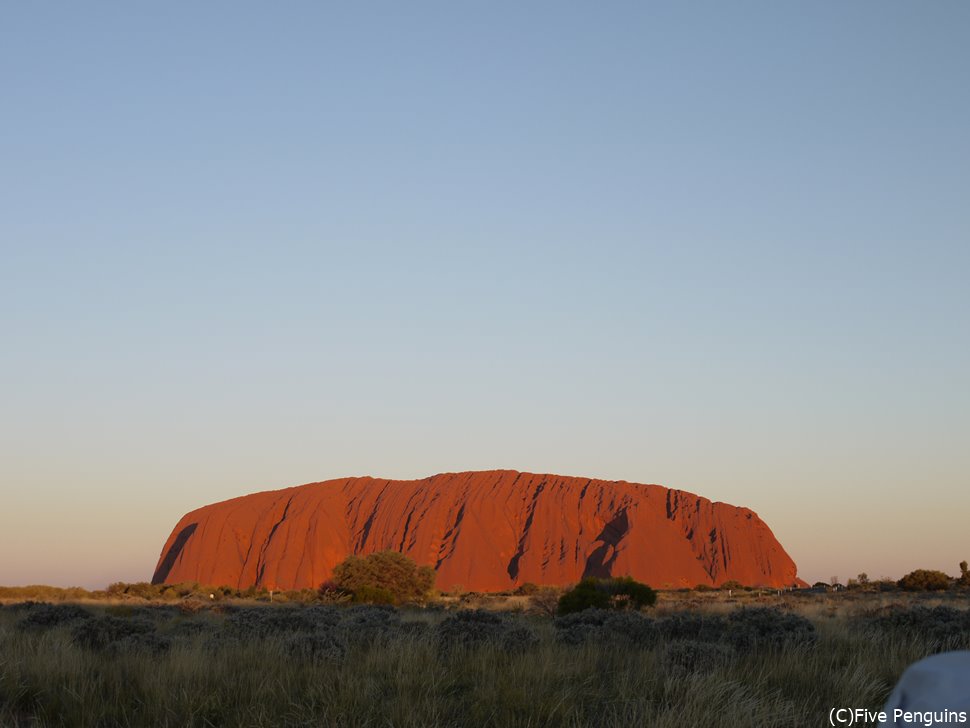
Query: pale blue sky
<point x="722" y="248"/>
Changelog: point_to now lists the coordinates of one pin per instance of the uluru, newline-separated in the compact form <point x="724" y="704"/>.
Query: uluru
<point x="481" y="531"/>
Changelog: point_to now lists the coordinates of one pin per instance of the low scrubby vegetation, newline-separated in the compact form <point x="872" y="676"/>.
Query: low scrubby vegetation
<point x="939" y="627"/>
<point x="219" y="663"/>
<point x="609" y="652"/>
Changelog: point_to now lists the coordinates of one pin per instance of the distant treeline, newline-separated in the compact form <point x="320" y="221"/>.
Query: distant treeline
<point x="328" y="593"/>
<point x="153" y="592"/>
<point x="40" y="592"/>
<point x="345" y="589"/>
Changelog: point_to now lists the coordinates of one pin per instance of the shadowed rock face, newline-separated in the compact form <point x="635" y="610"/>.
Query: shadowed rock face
<point x="484" y="531"/>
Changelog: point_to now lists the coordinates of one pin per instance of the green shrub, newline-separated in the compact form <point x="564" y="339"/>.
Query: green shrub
<point x="374" y="595"/>
<point x="733" y="584"/>
<point x="583" y="596"/>
<point x="616" y="593"/>
<point x="925" y="580"/>
<point x="386" y="577"/>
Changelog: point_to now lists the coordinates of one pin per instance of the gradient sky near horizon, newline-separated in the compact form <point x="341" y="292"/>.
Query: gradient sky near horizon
<point x="721" y="247"/>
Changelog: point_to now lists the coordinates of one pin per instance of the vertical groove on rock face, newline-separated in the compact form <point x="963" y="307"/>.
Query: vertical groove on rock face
<point x="369" y="522"/>
<point x="513" y="567"/>
<point x="407" y="524"/>
<point x="261" y="567"/>
<point x="486" y="531"/>
<point x="451" y="536"/>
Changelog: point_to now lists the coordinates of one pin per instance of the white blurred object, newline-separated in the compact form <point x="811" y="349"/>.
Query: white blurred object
<point x="934" y="684"/>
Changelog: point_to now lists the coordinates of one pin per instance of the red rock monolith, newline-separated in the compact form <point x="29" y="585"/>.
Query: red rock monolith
<point x="482" y="531"/>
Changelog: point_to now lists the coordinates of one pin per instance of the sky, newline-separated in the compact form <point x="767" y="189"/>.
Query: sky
<point x="720" y="247"/>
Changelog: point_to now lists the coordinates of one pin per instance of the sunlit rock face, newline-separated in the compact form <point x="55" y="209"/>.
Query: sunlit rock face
<point x="482" y="531"/>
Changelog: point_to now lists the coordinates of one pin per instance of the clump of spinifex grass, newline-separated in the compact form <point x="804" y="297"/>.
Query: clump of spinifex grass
<point x="366" y="666"/>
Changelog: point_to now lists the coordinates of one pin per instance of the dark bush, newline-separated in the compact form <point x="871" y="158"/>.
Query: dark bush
<point x="760" y="628"/>
<point x="941" y="627"/>
<point x="518" y="638"/>
<point x="262" y="622"/>
<point x="470" y="628"/>
<point x="587" y="617"/>
<point x="630" y="628"/>
<point x="364" y="625"/>
<point x="692" y="626"/>
<point x="324" y="616"/>
<point x="616" y="593"/>
<point x="606" y="625"/>
<point x="584" y="596"/>
<point x="577" y="627"/>
<point x="23" y="606"/>
<point x="99" y="633"/>
<point x="45" y="616"/>
<point x="576" y="634"/>
<point x="384" y="577"/>
<point x="925" y="580"/>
